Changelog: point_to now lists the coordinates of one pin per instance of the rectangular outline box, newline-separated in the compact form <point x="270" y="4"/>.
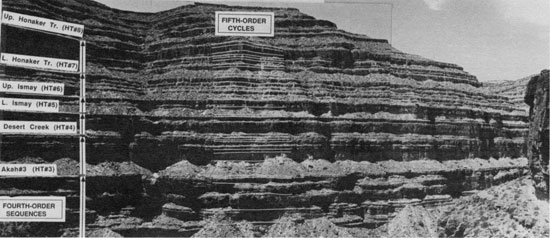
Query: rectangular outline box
<point x="39" y="90"/>
<point x="29" y="171"/>
<point x="271" y="16"/>
<point x="28" y="132"/>
<point x="48" y="28"/>
<point x="34" y="105"/>
<point x="41" y="66"/>
<point x="26" y="198"/>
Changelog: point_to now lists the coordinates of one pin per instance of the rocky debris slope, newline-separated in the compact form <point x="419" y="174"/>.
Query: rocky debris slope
<point x="103" y="232"/>
<point x="508" y="210"/>
<point x="288" y="226"/>
<point x="537" y="97"/>
<point x="413" y="222"/>
<point x="220" y="226"/>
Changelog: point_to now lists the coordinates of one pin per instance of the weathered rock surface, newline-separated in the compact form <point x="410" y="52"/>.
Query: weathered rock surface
<point x="537" y="97"/>
<point x="289" y="226"/>
<point x="161" y="85"/>
<point x="181" y="121"/>
<point x="413" y="222"/>
<point x="376" y="192"/>
<point x="507" y="210"/>
<point x="102" y="232"/>
<point x="219" y="226"/>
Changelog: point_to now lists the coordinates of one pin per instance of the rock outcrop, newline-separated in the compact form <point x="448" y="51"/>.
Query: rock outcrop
<point x="513" y="89"/>
<point x="162" y="86"/>
<point x="184" y="125"/>
<point x="508" y="210"/>
<point x="537" y="97"/>
<point x="350" y="194"/>
<point x="413" y="222"/>
<point x="289" y="226"/>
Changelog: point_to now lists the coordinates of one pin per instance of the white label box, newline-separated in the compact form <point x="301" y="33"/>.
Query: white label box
<point x="44" y="24"/>
<point x="245" y="24"/>
<point x="39" y="62"/>
<point x="32" y="105"/>
<point x="32" y="87"/>
<point x="38" y="127"/>
<point x="34" y="170"/>
<point x="32" y="209"/>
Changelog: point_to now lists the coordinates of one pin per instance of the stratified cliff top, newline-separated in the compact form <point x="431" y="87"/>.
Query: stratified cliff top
<point x="146" y="36"/>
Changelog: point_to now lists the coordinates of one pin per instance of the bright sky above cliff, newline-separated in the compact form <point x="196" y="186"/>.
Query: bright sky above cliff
<point x="491" y="39"/>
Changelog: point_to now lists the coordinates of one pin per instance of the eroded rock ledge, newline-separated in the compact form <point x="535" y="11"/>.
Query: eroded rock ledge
<point x="163" y="86"/>
<point x="180" y="122"/>
<point x="349" y="193"/>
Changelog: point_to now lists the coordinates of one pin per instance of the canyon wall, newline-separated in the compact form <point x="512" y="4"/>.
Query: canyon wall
<point x="537" y="142"/>
<point x="181" y="121"/>
<point x="163" y="88"/>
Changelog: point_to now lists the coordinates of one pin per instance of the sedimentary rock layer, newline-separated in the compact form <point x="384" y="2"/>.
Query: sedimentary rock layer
<point x="513" y="89"/>
<point x="163" y="86"/>
<point x="180" y="122"/>
<point x="349" y="193"/>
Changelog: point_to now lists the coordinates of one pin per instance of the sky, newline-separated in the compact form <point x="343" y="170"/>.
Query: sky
<point x="491" y="39"/>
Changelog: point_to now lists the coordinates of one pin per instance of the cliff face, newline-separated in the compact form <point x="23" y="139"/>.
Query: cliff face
<point x="383" y="129"/>
<point x="163" y="86"/>
<point x="537" y="141"/>
<point x="513" y="89"/>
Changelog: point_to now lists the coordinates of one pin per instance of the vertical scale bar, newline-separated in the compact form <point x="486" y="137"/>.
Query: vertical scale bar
<point x="1" y="113"/>
<point x="1" y="16"/>
<point x="82" y="139"/>
<point x="0" y="19"/>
